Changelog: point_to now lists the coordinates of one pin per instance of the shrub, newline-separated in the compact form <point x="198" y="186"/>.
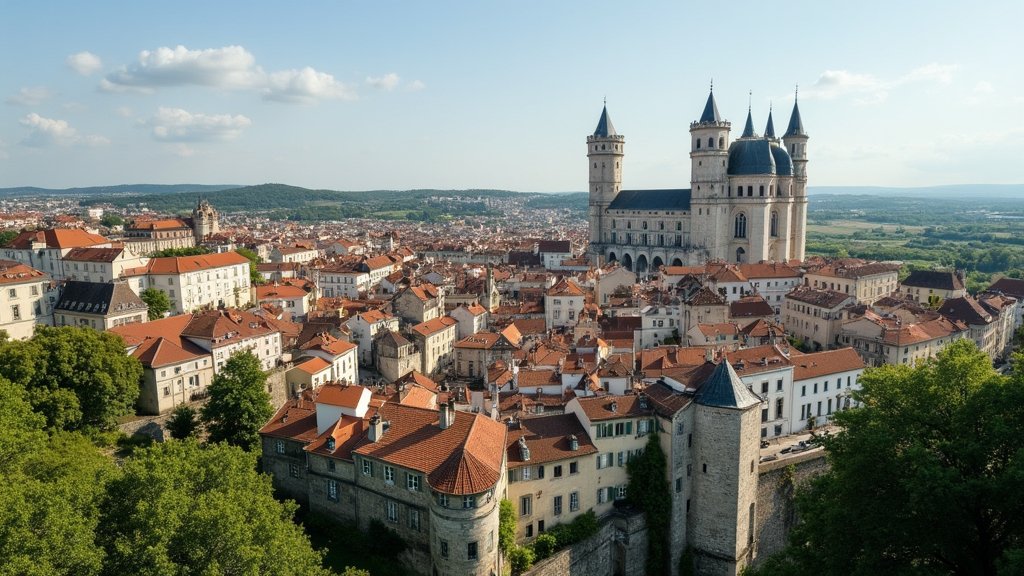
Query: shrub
<point x="383" y="540"/>
<point x="521" y="558"/>
<point x="544" y="545"/>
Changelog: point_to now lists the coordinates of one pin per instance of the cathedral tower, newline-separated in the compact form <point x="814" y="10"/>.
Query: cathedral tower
<point x="604" y="155"/>
<point x="205" y="220"/>
<point x="709" y="180"/>
<point x="795" y="140"/>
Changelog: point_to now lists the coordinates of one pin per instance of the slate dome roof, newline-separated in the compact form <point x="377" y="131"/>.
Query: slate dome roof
<point x="751" y="156"/>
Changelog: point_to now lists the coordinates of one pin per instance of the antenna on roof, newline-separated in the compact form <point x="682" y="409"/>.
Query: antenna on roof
<point x="750" y="100"/>
<point x="796" y="93"/>
<point x="712" y="83"/>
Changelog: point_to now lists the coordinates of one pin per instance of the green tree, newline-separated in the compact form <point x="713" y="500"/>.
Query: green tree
<point x="926" y="478"/>
<point x="182" y="509"/>
<point x="50" y="489"/>
<point x="76" y="377"/>
<point x="157" y="301"/>
<point x="183" y="422"/>
<point x="254" y="274"/>
<point x="506" y="527"/>
<point x="7" y="236"/>
<point x="190" y="251"/>
<point x="111" y="220"/>
<point x="239" y="404"/>
<point x="649" y="490"/>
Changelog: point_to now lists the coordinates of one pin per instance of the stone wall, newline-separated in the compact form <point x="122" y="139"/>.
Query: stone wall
<point x="776" y="512"/>
<point x="619" y="548"/>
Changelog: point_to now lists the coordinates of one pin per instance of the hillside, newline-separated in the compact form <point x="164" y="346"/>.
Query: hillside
<point x="133" y="189"/>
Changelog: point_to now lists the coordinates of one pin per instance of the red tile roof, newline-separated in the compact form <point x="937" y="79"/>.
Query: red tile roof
<point x="57" y="238"/>
<point x="12" y="272"/>
<point x="183" y="264"/>
<point x="434" y="326"/>
<point x="548" y="438"/>
<point x="314" y="365"/>
<point x="817" y="364"/>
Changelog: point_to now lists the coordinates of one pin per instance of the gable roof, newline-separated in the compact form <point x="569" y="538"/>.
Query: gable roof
<point x="57" y="238"/>
<point x="183" y="264"/>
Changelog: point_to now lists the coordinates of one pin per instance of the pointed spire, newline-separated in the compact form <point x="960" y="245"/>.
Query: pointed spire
<point x="725" y="389"/>
<point x="710" y="109"/>
<point x="748" y="130"/>
<point x="796" y="125"/>
<point x="604" y="125"/>
<point x="769" y="130"/>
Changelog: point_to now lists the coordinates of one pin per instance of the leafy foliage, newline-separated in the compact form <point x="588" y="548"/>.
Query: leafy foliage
<point x="254" y="275"/>
<point x="239" y="404"/>
<point x="157" y="301"/>
<point x="111" y="220"/>
<point x="649" y="490"/>
<point x="521" y="558"/>
<point x="926" y="477"/>
<point x="7" y="236"/>
<point x="183" y="422"/>
<point x="76" y="377"/>
<point x="544" y="545"/>
<point x="506" y="527"/>
<point x="179" y="508"/>
<point x="582" y="527"/>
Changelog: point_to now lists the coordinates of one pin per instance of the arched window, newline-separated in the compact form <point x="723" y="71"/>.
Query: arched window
<point x="721" y="142"/>
<point x="711" y="142"/>
<point x="774" y="226"/>
<point x="740" y="230"/>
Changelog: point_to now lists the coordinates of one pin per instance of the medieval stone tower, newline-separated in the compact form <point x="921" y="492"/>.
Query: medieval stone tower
<point x="604" y="153"/>
<point x="722" y="522"/>
<point x="747" y="200"/>
<point x="205" y="220"/>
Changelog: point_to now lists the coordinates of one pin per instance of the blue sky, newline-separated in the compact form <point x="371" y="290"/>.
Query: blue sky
<point x="373" y="95"/>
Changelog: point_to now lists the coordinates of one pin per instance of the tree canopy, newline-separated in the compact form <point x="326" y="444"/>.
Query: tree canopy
<point x="239" y="404"/>
<point x="927" y="477"/>
<point x="76" y="377"/>
<point x="181" y="509"/>
<point x="157" y="301"/>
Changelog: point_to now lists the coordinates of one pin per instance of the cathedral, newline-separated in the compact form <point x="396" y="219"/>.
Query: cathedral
<point x="747" y="199"/>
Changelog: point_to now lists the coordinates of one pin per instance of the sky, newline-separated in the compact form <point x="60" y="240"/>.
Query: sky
<point x="397" y="95"/>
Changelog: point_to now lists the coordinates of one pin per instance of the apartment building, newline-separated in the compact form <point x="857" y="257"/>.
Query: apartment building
<point x="203" y="281"/>
<point x="24" y="299"/>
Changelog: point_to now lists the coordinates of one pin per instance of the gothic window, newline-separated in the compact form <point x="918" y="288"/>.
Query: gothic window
<point x="740" y="230"/>
<point x="774" y="227"/>
<point x="711" y="142"/>
<point x="721" y="142"/>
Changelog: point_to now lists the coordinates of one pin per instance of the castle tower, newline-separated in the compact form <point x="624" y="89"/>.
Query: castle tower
<point x="709" y="181"/>
<point x="205" y="220"/>
<point x="795" y="140"/>
<point x="604" y="156"/>
<point x="726" y="434"/>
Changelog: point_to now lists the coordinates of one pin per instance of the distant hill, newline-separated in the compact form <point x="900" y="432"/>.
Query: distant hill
<point x="138" y="189"/>
<point x="948" y="191"/>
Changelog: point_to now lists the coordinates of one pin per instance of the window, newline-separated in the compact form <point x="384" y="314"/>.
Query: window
<point x="412" y="482"/>
<point x="529" y="530"/>
<point x="778" y="385"/>
<point x="279" y="446"/>
<point x="525" y="473"/>
<point x="392" y="508"/>
<point x="293" y="470"/>
<point x="525" y="505"/>
<point x="574" y="501"/>
<point x="16" y="312"/>
<point x="540" y="472"/>
<point x="602" y="495"/>
<point x="740" y="228"/>
<point x="442" y="500"/>
<point x="469" y="501"/>
<point x="764" y="387"/>
<point x="557" y="505"/>
<point x="444" y="548"/>
<point x="414" y="519"/>
<point x="12" y="293"/>
<point x="803" y="390"/>
<point x="573" y="467"/>
<point x="604" y="460"/>
<point x="332" y="490"/>
<point x="389" y="474"/>
<point x="471" y="551"/>
<point x="774" y="225"/>
<point x="557" y="471"/>
<point x="330" y="465"/>
<point x="679" y="484"/>
<point x="367" y="468"/>
<point x="620" y="492"/>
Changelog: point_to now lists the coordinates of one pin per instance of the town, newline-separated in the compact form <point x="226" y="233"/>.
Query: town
<point x="424" y="373"/>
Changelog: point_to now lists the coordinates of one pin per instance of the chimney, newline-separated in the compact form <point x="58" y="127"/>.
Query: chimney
<point x="376" y="428"/>
<point x="524" y="450"/>
<point x="445" y="415"/>
<point x="614" y="407"/>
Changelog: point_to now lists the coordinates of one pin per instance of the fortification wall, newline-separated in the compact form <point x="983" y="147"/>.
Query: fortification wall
<point x="776" y="512"/>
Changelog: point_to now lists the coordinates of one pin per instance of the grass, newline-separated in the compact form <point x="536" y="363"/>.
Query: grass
<point x="345" y="545"/>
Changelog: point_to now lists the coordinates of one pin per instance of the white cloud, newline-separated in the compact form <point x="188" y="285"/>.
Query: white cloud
<point x="415" y="86"/>
<point x="54" y="132"/>
<point x="124" y="112"/>
<point x="30" y="96"/>
<point x="386" y="82"/>
<point x="84" y="63"/>
<point x="305" y="86"/>
<point x="177" y="125"/>
<point x="984" y="87"/>
<point x="228" y="67"/>
<point x="868" y="89"/>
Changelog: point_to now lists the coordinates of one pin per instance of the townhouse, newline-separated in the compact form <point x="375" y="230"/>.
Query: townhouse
<point x="25" y="299"/>
<point x="203" y="281"/>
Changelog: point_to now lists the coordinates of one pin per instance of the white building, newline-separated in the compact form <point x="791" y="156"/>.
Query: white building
<point x="24" y="301"/>
<point x="563" y="303"/>
<point x="207" y="280"/>
<point x="365" y="326"/>
<point x="223" y="333"/>
<point x="822" y="383"/>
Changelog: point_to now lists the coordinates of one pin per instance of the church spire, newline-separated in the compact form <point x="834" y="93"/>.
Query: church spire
<point x="748" y="130"/>
<point x="710" y="109"/>
<point x="796" y="125"/>
<point x="769" y="130"/>
<point x="604" y="125"/>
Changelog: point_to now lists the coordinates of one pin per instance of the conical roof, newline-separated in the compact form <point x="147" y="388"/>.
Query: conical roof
<point x="604" y="125"/>
<point x="724" y="389"/>
<point x="748" y="130"/>
<point x="796" y="126"/>
<point x="710" y="110"/>
<point x="769" y="130"/>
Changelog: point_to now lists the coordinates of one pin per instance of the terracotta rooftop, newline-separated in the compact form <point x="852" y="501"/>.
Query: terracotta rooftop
<point x="817" y="364"/>
<point x="548" y="439"/>
<point x="314" y="365"/>
<point x="598" y="408"/>
<point x="434" y="326"/>
<point x="57" y="238"/>
<point x="93" y="254"/>
<point x="183" y="264"/>
<point x="12" y="272"/>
